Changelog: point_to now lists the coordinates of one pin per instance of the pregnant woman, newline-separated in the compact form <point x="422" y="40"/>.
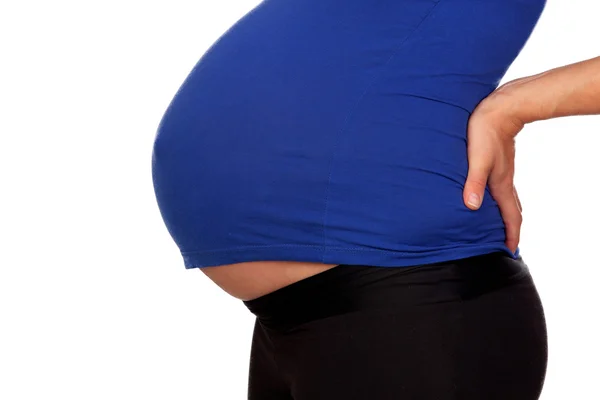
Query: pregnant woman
<point x="313" y="165"/>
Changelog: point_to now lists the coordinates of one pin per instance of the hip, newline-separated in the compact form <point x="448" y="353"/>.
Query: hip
<point x="472" y="328"/>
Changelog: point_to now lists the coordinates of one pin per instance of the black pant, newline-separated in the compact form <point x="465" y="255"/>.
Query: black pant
<point x="466" y="329"/>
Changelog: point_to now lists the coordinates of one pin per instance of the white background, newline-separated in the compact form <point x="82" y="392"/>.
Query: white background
<point x="94" y="300"/>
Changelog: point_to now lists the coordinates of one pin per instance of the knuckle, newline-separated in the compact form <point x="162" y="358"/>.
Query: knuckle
<point x="504" y="185"/>
<point x="514" y="223"/>
<point x="478" y="182"/>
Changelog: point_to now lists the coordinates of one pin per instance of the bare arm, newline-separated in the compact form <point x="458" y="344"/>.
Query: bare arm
<point x="572" y="89"/>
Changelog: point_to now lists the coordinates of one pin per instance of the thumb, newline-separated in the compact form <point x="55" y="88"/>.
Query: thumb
<point x="479" y="170"/>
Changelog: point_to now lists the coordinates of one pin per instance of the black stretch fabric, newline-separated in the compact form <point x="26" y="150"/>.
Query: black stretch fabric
<point x="466" y="329"/>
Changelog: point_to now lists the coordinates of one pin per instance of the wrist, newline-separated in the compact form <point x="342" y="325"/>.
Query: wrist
<point x="498" y="113"/>
<point x="522" y="99"/>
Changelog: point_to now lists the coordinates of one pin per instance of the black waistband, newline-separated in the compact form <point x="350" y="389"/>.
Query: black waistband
<point x="348" y="288"/>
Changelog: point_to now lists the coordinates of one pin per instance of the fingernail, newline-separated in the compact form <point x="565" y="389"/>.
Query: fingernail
<point x="473" y="200"/>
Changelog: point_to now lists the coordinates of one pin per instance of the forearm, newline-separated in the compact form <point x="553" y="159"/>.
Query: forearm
<point x="572" y="89"/>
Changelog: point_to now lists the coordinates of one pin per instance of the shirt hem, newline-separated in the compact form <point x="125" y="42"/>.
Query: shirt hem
<point x="337" y="255"/>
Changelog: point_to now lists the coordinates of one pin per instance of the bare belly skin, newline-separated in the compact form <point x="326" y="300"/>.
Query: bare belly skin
<point x="250" y="280"/>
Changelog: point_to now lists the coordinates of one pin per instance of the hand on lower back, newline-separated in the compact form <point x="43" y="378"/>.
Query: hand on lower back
<point x="569" y="90"/>
<point x="491" y="135"/>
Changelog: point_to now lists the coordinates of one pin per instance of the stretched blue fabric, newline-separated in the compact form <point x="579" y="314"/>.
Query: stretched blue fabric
<point x="335" y="131"/>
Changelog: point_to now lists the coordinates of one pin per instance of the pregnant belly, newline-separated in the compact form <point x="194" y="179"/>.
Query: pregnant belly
<point x="314" y="134"/>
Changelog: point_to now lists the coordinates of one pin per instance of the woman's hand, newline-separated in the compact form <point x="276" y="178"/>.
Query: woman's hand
<point x="491" y="135"/>
<point x="572" y="89"/>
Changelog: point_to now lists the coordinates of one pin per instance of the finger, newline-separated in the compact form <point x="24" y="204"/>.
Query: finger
<point x="477" y="177"/>
<point x="504" y="195"/>
<point x="518" y="200"/>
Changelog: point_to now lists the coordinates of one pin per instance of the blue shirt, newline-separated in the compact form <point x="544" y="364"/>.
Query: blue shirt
<point x="335" y="131"/>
